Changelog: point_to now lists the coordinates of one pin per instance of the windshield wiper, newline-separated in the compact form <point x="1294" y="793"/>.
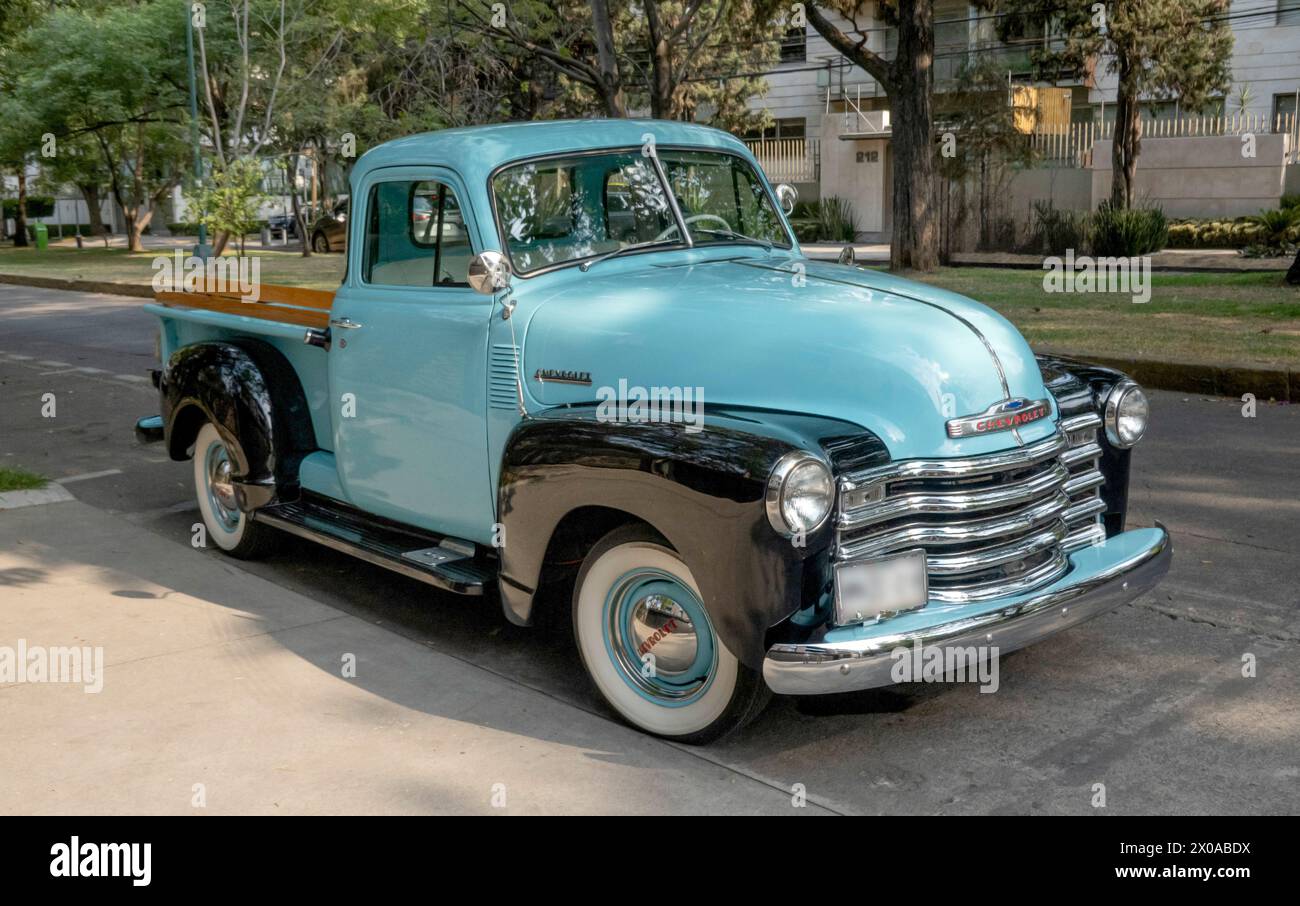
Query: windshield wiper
<point x="614" y="253"/>
<point x="732" y="234"/>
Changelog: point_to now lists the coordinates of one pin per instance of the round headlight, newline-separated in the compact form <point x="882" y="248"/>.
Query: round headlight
<point x="800" y="492"/>
<point x="1126" y="414"/>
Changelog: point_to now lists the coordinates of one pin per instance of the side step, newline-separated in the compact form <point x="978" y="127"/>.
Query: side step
<point x="448" y="563"/>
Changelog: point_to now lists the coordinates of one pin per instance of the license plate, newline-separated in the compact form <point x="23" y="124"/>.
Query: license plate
<point x="880" y="587"/>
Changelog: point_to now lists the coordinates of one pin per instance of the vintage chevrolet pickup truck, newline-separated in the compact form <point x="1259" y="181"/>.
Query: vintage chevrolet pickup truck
<point x="592" y="353"/>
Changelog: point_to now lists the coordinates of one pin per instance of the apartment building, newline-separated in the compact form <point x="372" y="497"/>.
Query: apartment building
<point x="831" y="120"/>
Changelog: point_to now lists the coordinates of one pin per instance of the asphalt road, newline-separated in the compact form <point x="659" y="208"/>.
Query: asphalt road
<point x="1149" y="701"/>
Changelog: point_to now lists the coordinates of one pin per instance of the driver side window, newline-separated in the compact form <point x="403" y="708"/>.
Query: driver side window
<point x="415" y="236"/>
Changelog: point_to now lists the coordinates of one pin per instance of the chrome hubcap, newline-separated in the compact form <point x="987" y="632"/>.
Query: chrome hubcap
<point x="221" y="490"/>
<point x="659" y="637"/>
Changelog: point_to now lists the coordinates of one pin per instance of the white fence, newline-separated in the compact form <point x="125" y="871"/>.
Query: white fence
<point x="1072" y="147"/>
<point x="787" y="159"/>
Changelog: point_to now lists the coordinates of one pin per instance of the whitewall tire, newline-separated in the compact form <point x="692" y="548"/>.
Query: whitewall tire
<point x="649" y="647"/>
<point x="227" y="526"/>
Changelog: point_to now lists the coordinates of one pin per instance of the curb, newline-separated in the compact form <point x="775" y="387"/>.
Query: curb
<point x="52" y="493"/>
<point x="138" y="290"/>
<point x="1037" y="265"/>
<point x="1234" y="381"/>
<point x="1213" y="380"/>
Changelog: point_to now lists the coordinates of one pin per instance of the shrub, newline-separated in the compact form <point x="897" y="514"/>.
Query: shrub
<point x="1128" y="232"/>
<point x="828" y="220"/>
<point x="1289" y="202"/>
<point x="1275" y="225"/>
<point x="1054" y="231"/>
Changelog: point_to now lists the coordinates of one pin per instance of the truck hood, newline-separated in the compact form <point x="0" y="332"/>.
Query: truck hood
<point x="898" y="358"/>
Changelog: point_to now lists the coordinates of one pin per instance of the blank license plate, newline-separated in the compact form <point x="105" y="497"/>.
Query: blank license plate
<point x="886" y="585"/>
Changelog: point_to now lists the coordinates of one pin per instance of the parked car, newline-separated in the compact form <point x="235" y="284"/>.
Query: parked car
<point x="329" y="233"/>
<point x="758" y="472"/>
<point x="282" y="225"/>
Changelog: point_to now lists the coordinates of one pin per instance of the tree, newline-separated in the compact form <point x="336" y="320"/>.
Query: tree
<point x="16" y="142"/>
<point x="113" y="84"/>
<point x="679" y="59"/>
<point x="986" y="141"/>
<point x="908" y="80"/>
<point x="1155" y="49"/>
<point x="230" y="198"/>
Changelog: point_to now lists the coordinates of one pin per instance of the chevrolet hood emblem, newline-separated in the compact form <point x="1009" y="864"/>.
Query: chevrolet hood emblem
<point x="1001" y="416"/>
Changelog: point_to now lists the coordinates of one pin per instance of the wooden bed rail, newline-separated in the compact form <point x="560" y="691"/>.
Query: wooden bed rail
<point x="286" y="304"/>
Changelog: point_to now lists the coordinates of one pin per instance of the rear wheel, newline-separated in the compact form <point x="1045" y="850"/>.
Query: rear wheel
<point x="229" y="527"/>
<point x="320" y="244"/>
<point x="648" y="645"/>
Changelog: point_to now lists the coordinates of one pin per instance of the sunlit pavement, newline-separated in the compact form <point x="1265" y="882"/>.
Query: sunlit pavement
<point x="228" y="674"/>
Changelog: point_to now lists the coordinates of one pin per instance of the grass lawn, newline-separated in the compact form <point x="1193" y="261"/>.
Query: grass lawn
<point x="1243" y="319"/>
<point x="19" y="480"/>
<point x="1246" y="319"/>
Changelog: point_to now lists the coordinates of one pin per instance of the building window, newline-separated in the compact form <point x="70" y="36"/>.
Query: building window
<point x="794" y="46"/>
<point x="1288" y="12"/>
<point x="1284" y="111"/>
<point x="796" y="127"/>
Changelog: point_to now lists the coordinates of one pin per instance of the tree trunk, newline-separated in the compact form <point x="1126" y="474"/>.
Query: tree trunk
<point x="915" y="243"/>
<point x="90" y="193"/>
<point x="295" y="199"/>
<point x="1293" y="272"/>
<point x="20" y="216"/>
<point x="135" y="227"/>
<point x="611" y="87"/>
<point x="1124" y="147"/>
<point x="661" y="66"/>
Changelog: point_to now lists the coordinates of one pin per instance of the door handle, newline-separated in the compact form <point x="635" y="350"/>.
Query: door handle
<point x="344" y="323"/>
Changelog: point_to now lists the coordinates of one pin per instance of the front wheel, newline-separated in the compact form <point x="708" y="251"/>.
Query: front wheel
<point x="648" y="645"/>
<point x="228" y="526"/>
<point x="320" y="244"/>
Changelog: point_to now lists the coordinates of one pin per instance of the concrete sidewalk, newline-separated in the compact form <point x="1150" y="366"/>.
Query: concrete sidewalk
<point x="215" y="677"/>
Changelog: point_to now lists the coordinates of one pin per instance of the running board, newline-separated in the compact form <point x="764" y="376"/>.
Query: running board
<point x="447" y="563"/>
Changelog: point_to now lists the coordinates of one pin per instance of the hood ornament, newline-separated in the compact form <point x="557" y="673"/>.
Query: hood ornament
<point x="1004" y="416"/>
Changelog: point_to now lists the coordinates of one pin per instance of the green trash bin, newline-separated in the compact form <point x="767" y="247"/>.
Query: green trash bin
<point x="42" y="235"/>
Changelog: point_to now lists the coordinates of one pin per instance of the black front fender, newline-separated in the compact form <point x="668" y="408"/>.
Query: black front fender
<point x="704" y="492"/>
<point x="253" y="397"/>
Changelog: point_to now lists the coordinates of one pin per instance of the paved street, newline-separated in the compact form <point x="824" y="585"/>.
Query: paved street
<point x="1149" y="701"/>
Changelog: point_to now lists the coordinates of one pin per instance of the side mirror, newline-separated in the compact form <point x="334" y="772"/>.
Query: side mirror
<point x="787" y="195"/>
<point x="847" y="255"/>
<point x="488" y="272"/>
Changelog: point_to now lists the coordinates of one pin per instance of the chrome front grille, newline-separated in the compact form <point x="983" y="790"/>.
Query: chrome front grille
<point x="1083" y="519"/>
<point x="992" y="525"/>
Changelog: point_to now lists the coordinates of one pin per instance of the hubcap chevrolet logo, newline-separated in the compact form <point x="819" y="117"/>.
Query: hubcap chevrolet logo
<point x="1001" y="416"/>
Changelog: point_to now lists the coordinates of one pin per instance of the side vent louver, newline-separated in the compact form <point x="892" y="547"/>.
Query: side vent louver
<point x="502" y="390"/>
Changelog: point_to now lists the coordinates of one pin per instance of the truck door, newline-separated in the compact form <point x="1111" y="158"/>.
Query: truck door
<point x="407" y="364"/>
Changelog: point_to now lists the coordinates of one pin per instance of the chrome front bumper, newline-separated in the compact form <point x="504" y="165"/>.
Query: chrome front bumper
<point x="1101" y="578"/>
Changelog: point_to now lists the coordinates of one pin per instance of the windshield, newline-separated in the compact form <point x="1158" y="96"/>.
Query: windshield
<point x="568" y="209"/>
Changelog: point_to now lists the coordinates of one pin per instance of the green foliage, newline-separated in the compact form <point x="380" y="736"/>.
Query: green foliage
<point x="828" y="220"/>
<point x="1214" y="234"/>
<point x="1128" y="232"/>
<point x="229" y="199"/>
<point x="20" y="480"/>
<point x="1054" y="231"/>
<point x="1290" y="201"/>
<point x="37" y="206"/>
